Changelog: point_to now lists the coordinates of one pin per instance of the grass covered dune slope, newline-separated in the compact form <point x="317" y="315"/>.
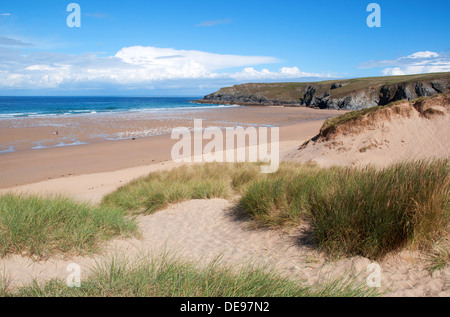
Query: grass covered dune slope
<point x="363" y="210"/>
<point x="353" y="211"/>
<point x="375" y="204"/>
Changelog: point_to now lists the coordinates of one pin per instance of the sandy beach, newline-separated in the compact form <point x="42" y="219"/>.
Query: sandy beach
<point x="27" y="165"/>
<point x="198" y="229"/>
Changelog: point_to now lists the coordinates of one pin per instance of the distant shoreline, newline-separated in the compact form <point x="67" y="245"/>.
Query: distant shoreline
<point x="345" y="94"/>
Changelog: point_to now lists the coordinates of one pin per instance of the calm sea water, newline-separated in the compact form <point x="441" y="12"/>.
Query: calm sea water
<point x="11" y="107"/>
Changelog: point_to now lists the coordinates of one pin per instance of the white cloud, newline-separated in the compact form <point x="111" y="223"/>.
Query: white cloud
<point x="291" y="71"/>
<point x="426" y="54"/>
<point x="155" y="57"/>
<point x="40" y="67"/>
<point x="136" y="66"/>
<point x="416" y="63"/>
<point x="418" y="69"/>
<point x="394" y="71"/>
<point x="250" y="73"/>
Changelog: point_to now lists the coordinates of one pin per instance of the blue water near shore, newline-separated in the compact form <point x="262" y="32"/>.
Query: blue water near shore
<point x="13" y="107"/>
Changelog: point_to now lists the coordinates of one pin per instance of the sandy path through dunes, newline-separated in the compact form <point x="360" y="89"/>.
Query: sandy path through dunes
<point x="201" y="230"/>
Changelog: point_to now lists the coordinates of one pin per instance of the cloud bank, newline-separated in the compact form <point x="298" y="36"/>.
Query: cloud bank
<point x="416" y="63"/>
<point x="133" y="67"/>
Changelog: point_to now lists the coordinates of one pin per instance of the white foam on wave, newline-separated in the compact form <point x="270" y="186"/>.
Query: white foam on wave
<point x="9" y="150"/>
<point x="88" y="112"/>
<point x="61" y="144"/>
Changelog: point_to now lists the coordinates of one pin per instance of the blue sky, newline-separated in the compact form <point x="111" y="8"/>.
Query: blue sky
<point x="194" y="47"/>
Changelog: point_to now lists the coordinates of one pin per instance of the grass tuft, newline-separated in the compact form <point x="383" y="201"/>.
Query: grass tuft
<point x="374" y="212"/>
<point x="439" y="258"/>
<point x="282" y="199"/>
<point x="36" y="226"/>
<point x="168" y="276"/>
<point x="157" y="190"/>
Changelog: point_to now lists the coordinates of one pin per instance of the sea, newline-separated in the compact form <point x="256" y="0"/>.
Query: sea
<point x="12" y="107"/>
<point x="30" y="112"/>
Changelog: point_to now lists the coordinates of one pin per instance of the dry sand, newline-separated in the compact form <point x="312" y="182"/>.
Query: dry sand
<point x="384" y="141"/>
<point x="202" y="230"/>
<point x="205" y="229"/>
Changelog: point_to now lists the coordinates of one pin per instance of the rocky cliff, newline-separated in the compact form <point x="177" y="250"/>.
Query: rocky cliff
<point x="349" y="94"/>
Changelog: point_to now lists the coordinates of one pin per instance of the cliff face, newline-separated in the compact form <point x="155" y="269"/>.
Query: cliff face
<point x="350" y="94"/>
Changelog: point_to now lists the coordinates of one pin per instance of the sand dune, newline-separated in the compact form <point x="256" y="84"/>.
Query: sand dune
<point x="206" y="229"/>
<point x="398" y="133"/>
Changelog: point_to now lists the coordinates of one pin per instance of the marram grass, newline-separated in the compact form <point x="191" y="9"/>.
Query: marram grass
<point x="169" y="276"/>
<point x="39" y="227"/>
<point x="368" y="212"/>
<point x="353" y="211"/>
<point x="157" y="190"/>
<point x="374" y="212"/>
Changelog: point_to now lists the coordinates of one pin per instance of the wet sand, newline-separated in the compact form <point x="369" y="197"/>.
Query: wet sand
<point x="119" y="151"/>
<point x="46" y="132"/>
